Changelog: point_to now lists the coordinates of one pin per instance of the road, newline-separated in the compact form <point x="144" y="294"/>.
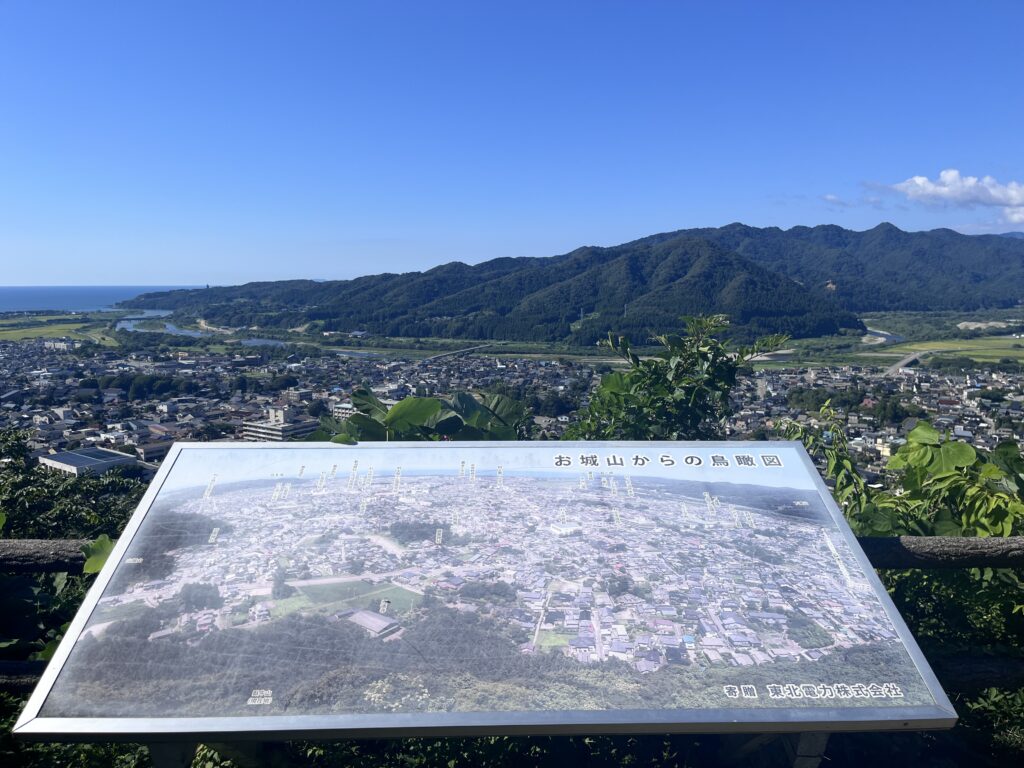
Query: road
<point x="595" y="621"/>
<point x="456" y="352"/>
<point x="903" y="363"/>
<point x="540" y="620"/>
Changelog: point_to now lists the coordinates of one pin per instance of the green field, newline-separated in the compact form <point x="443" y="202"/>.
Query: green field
<point x="21" y="319"/>
<point x="284" y="606"/>
<point x="131" y="610"/>
<point x="358" y="594"/>
<point x="83" y="327"/>
<point x="43" y="332"/>
<point x="935" y="333"/>
<point x="982" y="349"/>
<point x="338" y="591"/>
<point x="549" y="641"/>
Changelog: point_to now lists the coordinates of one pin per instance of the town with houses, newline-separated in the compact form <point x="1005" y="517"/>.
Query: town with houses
<point x="51" y="389"/>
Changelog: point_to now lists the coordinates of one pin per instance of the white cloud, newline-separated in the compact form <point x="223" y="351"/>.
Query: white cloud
<point x="950" y="188"/>
<point x="837" y="201"/>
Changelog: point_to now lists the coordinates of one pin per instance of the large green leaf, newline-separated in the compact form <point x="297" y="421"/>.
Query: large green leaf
<point x="924" y="434"/>
<point x="413" y="411"/>
<point x="1007" y="450"/>
<point x="331" y="425"/>
<point x="913" y="455"/>
<point x="367" y="428"/>
<point x="505" y="408"/>
<point x="896" y="461"/>
<point x="955" y="455"/>
<point x="96" y="554"/>
<point x="364" y="401"/>
<point x="1007" y="457"/>
<point x="446" y="422"/>
<point x="469" y="432"/>
<point x="470" y="410"/>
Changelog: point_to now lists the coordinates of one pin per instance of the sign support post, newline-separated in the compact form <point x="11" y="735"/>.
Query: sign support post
<point x="803" y="750"/>
<point x="171" y="754"/>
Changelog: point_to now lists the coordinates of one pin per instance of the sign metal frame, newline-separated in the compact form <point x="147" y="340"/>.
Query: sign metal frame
<point x="32" y="726"/>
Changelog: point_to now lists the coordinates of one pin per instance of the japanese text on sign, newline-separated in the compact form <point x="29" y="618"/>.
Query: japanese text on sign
<point x="717" y="460"/>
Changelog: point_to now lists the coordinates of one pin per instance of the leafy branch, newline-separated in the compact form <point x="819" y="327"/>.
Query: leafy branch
<point x="679" y="393"/>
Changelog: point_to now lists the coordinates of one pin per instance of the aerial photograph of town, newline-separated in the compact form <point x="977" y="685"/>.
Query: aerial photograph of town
<point x="466" y="578"/>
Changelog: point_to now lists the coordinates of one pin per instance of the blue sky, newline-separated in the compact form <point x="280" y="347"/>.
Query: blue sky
<point x="216" y="142"/>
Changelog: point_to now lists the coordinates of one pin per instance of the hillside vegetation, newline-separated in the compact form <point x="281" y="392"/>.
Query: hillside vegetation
<point x="640" y="288"/>
<point x="885" y="268"/>
<point x="804" y="281"/>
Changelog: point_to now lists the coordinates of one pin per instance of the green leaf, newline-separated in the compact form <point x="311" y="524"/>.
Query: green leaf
<point x="924" y="434"/>
<point x="1007" y="450"/>
<point x="505" y="408"/>
<point x="955" y="455"/>
<point x="367" y="427"/>
<point x="614" y="383"/>
<point x="990" y="472"/>
<point x="331" y="425"/>
<point x="918" y="455"/>
<point x="51" y="647"/>
<point x="944" y="479"/>
<point x="469" y="432"/>
<point x="3" y="520"/>
<point x="896" y="461"/>
<point x="364" y="401"/>
<point x="947" y="528"/>
<point x="447" y="423"/>
<point x="96" y="554"/>
<point x="413" y="411"/>
<point x="470" y="410"/>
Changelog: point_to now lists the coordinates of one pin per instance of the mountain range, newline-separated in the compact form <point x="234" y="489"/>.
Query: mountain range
<point x="804" y="281"/>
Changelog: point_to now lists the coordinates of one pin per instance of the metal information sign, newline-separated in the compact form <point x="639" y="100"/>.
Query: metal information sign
<point x="305" y="590"/>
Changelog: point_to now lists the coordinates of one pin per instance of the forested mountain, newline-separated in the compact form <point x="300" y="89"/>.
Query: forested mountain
<point x="803" y="281"/>
<point x="885" y="268"/>
<point x="638" y="288"/>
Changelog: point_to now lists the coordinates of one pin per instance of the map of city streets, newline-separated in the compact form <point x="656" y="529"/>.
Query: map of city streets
<point x="382" y="588"/>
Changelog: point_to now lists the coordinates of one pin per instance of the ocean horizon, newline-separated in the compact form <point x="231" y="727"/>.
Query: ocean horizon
<point x="72" y="298"/>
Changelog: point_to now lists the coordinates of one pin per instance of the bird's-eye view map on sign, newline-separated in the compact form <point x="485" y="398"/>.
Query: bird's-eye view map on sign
<point x="448" y="578"/>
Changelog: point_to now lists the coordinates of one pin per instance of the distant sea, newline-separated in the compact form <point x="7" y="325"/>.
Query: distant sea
<point x="71" y="298"/>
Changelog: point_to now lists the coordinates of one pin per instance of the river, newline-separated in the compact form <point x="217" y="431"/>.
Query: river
<point x="132" y="324"/>
<point x="887" y="338"/>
